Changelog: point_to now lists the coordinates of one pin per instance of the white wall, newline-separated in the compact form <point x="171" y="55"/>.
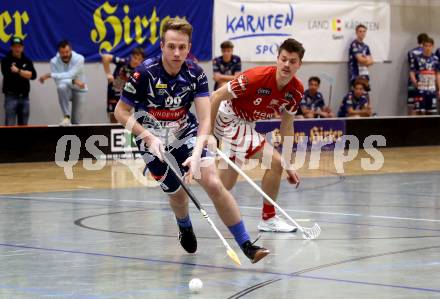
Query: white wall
<point x="388" y="80"/>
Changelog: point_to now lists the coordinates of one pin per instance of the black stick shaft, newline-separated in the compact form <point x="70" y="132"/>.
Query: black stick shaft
<point x="185" y="187"/>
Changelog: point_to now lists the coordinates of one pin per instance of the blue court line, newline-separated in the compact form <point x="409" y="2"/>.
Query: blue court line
<point x="119" y="205"/>
<point x="259" y="34"/>
<point x="253" y="271"/>
<point x="48" y="292"/>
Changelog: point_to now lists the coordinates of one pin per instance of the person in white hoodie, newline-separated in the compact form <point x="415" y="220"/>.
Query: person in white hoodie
<point x="67" y="69"/>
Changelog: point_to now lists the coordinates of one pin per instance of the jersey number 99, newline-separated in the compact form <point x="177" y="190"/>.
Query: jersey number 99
<point x="173" y="102"/>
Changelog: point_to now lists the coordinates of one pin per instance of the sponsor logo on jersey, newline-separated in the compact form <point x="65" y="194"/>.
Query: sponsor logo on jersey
<point x="161" y="85"/>
<point x="167" y="114"/>
<point x="186" y="88"/>
<point x="136" y="75"/>
<point x="129" y="88"/>
<point x="264" y="91"/>
<point x="263" y="115"/>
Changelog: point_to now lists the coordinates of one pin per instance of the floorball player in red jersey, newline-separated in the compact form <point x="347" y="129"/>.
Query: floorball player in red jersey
<point x="257" y="94"/>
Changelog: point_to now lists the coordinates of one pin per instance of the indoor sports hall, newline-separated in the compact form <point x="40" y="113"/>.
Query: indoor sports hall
<point x="80" y="217"/>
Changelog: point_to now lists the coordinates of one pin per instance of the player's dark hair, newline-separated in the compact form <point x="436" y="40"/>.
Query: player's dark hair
<point x="421" y="38"/>
<point x="292" y="46"/>
<point x="178" y="24"/>
<point x="226" y="45"/>
<point x="360" y="26"/>
<point x="64" y="43"/>
<point x="429" y="40"/>
<point x="138" y="51"/>
<point x="316" y="79"/>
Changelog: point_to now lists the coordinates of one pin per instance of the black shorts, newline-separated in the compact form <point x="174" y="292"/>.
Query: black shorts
<point x="426" y="102"/>
<point x="413" y="93"/>
<point x="160" y="170"/>
<point x="111" y="104"/>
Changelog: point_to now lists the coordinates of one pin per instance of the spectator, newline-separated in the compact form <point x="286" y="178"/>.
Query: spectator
<point x="425" y="75"/>
<point x="359" y="56"/>
<point x="227" y="66"/>
<point x="116" y="81"/>
<point x="312" y="103"/>
<point x="68" y="72"/>
<point x="412" y="90"/>
<point x="355" y="103"/>
<point x="17" y="70"/>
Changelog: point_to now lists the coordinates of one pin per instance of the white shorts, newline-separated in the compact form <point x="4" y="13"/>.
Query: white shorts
<point x="238" y="136"/>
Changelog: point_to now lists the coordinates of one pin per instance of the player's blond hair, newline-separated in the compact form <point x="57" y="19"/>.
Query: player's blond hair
<point x="177" y="24"/>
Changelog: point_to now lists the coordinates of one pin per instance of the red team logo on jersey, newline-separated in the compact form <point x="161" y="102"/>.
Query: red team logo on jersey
<point x="136" y="75"/>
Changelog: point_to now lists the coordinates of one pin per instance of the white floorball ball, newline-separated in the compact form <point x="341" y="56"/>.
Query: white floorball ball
<point x="195" y="285"/>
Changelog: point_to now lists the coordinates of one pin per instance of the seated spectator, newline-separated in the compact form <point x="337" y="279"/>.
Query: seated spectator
<point x="227" y="66"/>
<point x="312" y="103"/>
<point x="68" y="72"/>
<point x="355" y="103"/>
<point x="116" y="81"/>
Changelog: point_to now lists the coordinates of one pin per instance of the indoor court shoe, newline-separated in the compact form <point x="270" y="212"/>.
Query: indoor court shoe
<point x="66" y="122"/>
<point x="254" y="252"/>
<point x="276" y="224"/>
<point x="187" y="239"/>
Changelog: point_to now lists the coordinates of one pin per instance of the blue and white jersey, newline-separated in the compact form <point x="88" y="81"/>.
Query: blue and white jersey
<point x="411" y="54"/>
<point x="226" y="68"/>
<point x="313" y="102"/>
<point x="350" y="101"/>
<point x="426" y="69"/>
<point x="354" y="68"/>
<point x="414" y="52"/>
<point x="437" y="53"/>
<point x="168" y="98"/>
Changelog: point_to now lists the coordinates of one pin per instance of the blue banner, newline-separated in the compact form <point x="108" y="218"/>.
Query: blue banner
<point x="95" y="27"/>
<point x="318" y="131"/>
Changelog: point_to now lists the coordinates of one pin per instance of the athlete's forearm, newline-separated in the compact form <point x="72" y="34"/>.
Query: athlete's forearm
<point x="215" y="104"/>
<point x="126" y="118"/>
<point x="203" y="112"/>
<point x="106" y="59"/>
<point x="286" y="126"/>
<point x="412" y="76"/>
<point x="25" y="74"/>
<point x="438" y="81"/>
<point x="352" y="112"/>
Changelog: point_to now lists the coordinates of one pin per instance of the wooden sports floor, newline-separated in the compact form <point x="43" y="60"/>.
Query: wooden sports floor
<point x="109" y="233"/>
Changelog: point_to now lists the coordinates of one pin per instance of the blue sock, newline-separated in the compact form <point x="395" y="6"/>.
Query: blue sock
<point x="185" y="222"/>
<point x="239" y="232"/>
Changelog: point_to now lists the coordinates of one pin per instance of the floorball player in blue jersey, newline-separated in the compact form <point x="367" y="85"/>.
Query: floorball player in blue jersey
<point x="166" y="87"/>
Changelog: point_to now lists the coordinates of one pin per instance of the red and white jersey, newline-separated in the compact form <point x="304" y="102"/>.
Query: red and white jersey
<point x="256" y="95"/>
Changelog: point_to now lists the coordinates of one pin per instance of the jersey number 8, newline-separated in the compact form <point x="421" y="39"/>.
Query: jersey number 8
<point x="257" y="101"/>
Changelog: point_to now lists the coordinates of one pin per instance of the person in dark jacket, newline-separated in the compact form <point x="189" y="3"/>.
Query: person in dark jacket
<point x="17" y="70"/>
